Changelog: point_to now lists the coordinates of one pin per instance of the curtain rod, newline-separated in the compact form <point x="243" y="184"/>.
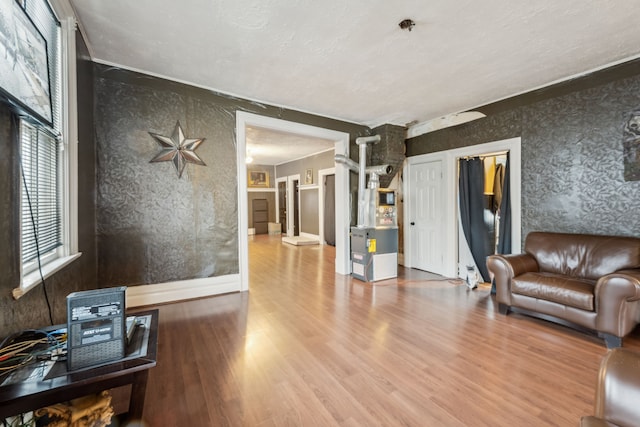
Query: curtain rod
<point x="482" y="156"/>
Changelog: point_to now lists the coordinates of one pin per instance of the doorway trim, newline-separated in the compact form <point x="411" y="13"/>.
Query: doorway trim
<point x="450" y="182"/>
<point x="244" y="119"/>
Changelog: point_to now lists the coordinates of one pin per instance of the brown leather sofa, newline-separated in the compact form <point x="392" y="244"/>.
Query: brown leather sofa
<point x="582" y="280"/>
<point x="617" y="391"/>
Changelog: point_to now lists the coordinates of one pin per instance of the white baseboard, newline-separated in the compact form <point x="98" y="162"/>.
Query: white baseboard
<point x="142" y="295"/>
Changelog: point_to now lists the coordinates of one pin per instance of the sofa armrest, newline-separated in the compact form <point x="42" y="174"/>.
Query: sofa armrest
<point x="618" y="387"/>
<point x="618" y="302"/>
<point x="503" y="268"/>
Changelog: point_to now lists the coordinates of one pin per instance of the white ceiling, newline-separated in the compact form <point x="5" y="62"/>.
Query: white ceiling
<point x="350" y="60"/>
<point x="271" y="147"/>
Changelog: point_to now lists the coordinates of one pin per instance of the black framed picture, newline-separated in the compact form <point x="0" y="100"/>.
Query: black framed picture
<point x="24" y="66"/>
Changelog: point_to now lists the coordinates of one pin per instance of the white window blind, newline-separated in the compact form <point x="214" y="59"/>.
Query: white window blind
<point x="40" y="207"/>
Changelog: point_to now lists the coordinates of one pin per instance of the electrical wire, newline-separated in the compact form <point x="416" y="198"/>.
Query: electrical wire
<point x="35" y="236"/>
<point x="26" y="347"/>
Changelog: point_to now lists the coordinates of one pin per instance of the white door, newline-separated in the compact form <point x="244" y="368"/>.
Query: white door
<point x="426" y="217"/>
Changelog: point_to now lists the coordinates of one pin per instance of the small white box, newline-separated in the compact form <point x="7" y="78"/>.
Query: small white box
<point x="274" y="228"/>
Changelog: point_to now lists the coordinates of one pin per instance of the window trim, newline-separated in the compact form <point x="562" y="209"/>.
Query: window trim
<point x="69" y="161"/>
<point x="33" y="279"/>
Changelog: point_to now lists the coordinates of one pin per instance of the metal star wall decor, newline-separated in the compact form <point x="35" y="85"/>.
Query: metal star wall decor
<point x="177" y="149"/>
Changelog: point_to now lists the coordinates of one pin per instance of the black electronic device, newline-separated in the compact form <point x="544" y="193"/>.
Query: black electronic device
<point x="95" y="327"/>
<point x="386" y="197"/>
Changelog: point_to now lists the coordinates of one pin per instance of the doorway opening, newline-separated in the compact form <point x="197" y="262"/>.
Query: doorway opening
<point x="294" y="187"/>
<point x="281" y="184"/>
<point x="484" y="212"/>
<point x="444" y="198"/>
<point x="327" y="205"/>
<point x="342" y="215"/>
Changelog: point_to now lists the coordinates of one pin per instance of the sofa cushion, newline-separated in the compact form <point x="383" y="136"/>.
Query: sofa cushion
<point x="583" y="256"/>
<point x="556" y="288"/>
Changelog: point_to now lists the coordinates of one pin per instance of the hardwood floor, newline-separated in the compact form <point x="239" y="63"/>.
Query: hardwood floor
<point x="307" y="347"/>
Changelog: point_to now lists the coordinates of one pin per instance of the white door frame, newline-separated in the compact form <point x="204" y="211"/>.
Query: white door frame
<point x="321" y="174"/>
<point x="450" y="173"/>
<point x="244" y="119"/>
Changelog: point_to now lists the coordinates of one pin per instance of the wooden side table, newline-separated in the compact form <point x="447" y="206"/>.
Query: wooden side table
<point x="59" y="385"/>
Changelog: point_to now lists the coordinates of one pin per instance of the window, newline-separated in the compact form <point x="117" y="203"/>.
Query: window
<point x="48" y="159"/>
<point x="40" y="225"/>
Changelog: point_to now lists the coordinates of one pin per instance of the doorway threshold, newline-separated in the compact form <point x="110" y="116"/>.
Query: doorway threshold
<point x="300" y="240"/>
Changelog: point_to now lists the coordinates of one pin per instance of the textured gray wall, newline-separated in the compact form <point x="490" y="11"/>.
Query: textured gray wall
<point x="30" y="311"/>
<point x="152" y="226"/>
<point x="572" y="164"/>
<point x="389" y="151"/>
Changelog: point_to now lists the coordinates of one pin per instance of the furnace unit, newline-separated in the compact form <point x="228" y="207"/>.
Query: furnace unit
<point x="374" y="241"/>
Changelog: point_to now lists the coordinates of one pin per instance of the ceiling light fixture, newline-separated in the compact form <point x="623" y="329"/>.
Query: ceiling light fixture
<point x="407" y="24"/>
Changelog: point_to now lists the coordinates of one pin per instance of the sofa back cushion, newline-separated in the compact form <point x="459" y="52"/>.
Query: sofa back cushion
<point x="582" y="255"/>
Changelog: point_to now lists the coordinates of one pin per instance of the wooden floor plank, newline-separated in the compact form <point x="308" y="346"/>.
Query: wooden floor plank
<point x="306" y="346"/>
